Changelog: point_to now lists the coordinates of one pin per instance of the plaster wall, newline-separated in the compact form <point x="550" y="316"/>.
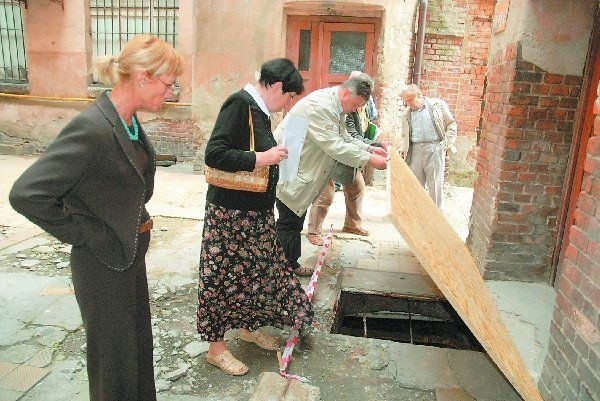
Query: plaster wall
<point x="233" y="41"/>
<point x="55" y="44"/>
<point x="554" y="34"/>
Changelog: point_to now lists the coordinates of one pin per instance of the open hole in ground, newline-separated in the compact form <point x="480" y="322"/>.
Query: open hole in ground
<point x="406" y="320"/>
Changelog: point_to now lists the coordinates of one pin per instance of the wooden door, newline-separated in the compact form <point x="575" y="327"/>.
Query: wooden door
<point x="327" y="50"/>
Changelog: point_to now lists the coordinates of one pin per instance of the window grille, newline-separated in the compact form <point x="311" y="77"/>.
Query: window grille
<point x="13" y="63"/>
<point x="114" y="22"/>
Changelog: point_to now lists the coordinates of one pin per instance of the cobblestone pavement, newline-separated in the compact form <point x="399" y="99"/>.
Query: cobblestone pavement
<point x="42" y="347"/>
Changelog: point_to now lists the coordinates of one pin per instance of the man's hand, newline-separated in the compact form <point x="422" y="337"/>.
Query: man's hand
<point x="377" y="161"/>
<point x="378" y="151"/>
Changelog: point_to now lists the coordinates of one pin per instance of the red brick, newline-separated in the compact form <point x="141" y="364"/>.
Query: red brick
<point x="591" y="165"/>
<point x="577" y="238"/>
<point x="553" y="79"/>
<point x="549" y="102"/>
<point x="571" y="252"/>
<point x="560" y="90"/>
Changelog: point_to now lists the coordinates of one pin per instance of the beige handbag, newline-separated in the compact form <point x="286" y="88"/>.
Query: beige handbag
<point x="251" y="181"/>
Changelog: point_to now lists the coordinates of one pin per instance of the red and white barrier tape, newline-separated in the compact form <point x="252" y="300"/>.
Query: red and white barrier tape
<point x="310" y="291"/>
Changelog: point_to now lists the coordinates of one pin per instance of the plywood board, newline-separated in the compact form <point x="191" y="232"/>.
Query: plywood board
<point x="450" y="265"/>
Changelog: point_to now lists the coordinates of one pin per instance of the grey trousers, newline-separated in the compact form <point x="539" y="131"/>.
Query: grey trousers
<point x="427" y="162"/>
<point x="353" y="196"/>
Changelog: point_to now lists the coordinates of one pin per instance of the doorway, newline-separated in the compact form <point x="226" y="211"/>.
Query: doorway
<point x="583" y="132"/>
<point x="327" y="49"/>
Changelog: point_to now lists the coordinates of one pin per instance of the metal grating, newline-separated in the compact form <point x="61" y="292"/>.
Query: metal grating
<point x="13" y="63"/>
<point x="114" y="22"/>
<point x="406" y="320"/>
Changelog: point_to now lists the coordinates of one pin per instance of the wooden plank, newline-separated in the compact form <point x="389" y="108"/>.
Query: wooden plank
<point x="448" y="261"/>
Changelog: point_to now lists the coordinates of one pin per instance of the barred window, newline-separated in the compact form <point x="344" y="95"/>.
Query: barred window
<point x="114" y="22"/>
<point x="13" y="63"/>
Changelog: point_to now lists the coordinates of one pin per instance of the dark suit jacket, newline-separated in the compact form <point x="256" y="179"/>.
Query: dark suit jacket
<point x="86" y="190"/>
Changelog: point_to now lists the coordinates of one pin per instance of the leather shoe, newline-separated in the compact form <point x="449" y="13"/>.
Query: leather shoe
<point x="315" y="239"/>
<point x="357" y="231"/>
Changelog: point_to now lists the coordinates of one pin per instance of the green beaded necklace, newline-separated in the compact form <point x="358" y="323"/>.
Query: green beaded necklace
<point x="135" y="135"/>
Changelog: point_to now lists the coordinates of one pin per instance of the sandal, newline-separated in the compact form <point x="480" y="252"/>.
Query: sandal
<point x="228" y="363"/>
<point x="303" y="271"/>
<point x="259" y="338"/>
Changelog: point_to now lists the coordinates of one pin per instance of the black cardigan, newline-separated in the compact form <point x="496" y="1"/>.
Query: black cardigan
<point x="227" y="149"/>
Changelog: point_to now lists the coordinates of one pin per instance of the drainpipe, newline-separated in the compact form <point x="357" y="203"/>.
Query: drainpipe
<point x="420" y="41"/>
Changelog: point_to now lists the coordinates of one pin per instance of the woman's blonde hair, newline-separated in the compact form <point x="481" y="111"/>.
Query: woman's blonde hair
<point x="142" y="53"/>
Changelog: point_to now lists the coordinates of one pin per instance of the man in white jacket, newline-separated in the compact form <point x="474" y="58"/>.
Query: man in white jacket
<point x="428" y="129"/>
<point x="328" y="152"/>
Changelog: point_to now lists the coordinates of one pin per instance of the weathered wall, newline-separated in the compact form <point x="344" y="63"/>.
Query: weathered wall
<point x="554" y="34"/>
<point x="58" y="52"/>
<point x="224" y="45"/>
<point x="55" y="47"/>
<point x="526" y="136"/>
<point x="242" y="38"/>
<point x="527" y="128"/>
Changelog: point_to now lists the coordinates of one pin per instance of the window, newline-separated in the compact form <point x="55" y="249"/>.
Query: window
<point x="13" y="64"/>
<point x="347" y="52"/>
<point x="114" y="22"/>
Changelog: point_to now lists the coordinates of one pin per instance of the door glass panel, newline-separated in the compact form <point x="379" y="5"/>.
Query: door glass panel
<point x="347" y="52"/>
<point x="304" y="56"/>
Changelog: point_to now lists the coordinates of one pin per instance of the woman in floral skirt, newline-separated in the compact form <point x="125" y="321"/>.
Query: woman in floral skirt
<point x="245" y="281"/>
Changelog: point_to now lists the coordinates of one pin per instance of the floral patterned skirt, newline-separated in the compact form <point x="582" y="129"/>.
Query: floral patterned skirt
<point x="245" y="280"/>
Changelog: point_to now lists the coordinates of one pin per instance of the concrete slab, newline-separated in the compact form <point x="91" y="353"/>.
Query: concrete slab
<point x="9" y="327"/>
<point x="18" y="353"/>
<point x="20" y="236"/>
<point x="16" y="337"/>
<point x="63" y="312"/>
<point x="393" y="284"/>
<point x="477" y="374"/>
<point x="273" y="387"/>
<point x="10" y="395"/>
<point x="41" y="359"/>
<point x="67" y="381"/>
<point x="526" y="310"/>
<point x="298" y="391"/>
<point x="30" y="242"/>
<point x="21" y="294"/>
<point x="421" y="367"/>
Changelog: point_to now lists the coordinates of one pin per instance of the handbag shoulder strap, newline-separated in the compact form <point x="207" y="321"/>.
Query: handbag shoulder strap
<point x="251" y="129"/>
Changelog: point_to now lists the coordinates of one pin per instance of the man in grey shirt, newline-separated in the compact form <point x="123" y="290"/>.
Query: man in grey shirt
<point x="429" y="129"/>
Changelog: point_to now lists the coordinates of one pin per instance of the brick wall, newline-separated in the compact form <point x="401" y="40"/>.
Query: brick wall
<point x="526" y="133"/>
<point x="455" y="63"/>
<point x="174" y="137"/>
<point x="572" y="366"/>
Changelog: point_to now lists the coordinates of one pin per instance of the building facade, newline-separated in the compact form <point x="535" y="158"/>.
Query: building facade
<point x="521" y="76"/>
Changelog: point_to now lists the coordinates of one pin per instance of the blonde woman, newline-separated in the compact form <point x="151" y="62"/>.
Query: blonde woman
<point x="89" y="189"/>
